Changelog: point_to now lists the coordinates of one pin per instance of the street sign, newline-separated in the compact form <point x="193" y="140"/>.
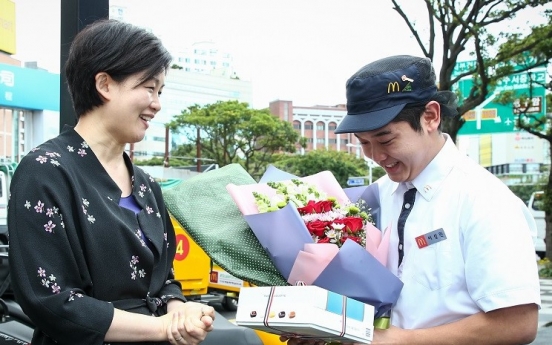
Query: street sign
<point x="493" y="117"/>
<point x="355" y="181"/>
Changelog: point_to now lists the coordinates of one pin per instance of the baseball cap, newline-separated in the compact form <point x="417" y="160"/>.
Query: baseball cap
<point x="379" y="91"/>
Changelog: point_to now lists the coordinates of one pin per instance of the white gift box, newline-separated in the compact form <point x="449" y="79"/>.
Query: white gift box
<point x="306" y="311"/>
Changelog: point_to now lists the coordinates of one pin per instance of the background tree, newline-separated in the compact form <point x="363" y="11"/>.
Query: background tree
<point x="539" y="126"/>
<point x="231" y="132"/>
<point x="341" y="164"/>
<point x="466" y="27"/>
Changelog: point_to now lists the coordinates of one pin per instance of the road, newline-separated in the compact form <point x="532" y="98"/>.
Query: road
<point x="544" y="334"/>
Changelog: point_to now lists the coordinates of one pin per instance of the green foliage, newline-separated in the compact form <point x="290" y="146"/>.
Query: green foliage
<point x="524" y="191"/>
<point x="545" y="268"/>
<point x="149" y="162"/>
<point x="468" y="26"/>
<point x="185" y="150"/>
<point x="156" y="161"/>
<point x="232" y="132"/>
<point x="341" y="164"/>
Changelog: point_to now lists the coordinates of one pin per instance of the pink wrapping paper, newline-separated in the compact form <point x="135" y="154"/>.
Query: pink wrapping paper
<point x="311" y="262"/>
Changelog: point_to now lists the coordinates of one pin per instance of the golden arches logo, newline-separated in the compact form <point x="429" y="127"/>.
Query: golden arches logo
<point x="393" y="87"/>
<point x="421" y="242"/>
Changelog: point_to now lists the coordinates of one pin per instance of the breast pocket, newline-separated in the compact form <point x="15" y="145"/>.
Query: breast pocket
<point x="434" y="266"/>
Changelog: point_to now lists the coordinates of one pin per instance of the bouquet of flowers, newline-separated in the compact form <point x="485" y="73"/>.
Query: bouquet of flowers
<point x="326" y="220"/>
<point x="336" y="247"/>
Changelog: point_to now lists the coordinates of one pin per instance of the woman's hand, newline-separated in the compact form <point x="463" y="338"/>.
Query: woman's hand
<point x="190" y="322"/>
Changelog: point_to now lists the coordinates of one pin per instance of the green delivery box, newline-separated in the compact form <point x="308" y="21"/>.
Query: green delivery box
<point x="306" y="311"/>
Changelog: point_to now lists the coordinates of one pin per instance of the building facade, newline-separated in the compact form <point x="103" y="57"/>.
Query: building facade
<point x="205" y="58"/>
<point x="317" y="124"/>
<point x="516" y="157"/>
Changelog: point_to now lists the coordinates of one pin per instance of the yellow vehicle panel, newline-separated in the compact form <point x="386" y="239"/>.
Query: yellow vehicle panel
<point x="191" y="263"/>
<point x="269" y="338"/>
<point x="219" y="279"/>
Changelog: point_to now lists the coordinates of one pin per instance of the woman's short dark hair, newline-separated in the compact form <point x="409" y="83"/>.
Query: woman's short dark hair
<point x="116" y="48"/>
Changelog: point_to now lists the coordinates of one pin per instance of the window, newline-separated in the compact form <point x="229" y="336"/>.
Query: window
<point x="320" y="141"/>
<point x="332" y="126"/>
<point x="332" y="141"/>
<point x="320" y="126"/>
<point x="308" y="125"/>
<point x="297" y="125"/>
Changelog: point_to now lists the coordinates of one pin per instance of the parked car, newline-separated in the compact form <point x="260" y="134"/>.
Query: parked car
<point x="536" y="206"/>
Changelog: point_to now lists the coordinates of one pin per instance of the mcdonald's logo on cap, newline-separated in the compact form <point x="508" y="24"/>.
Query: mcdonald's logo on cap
<point x="393" y="87"/>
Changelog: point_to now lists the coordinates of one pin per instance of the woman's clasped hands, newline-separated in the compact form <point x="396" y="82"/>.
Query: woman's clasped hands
<point x="188" y="323"/>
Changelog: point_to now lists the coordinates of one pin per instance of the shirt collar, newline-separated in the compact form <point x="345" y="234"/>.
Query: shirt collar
<point x="431" y="178"/>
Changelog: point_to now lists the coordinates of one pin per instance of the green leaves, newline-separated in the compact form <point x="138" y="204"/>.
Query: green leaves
<point x="480" y="31"/>
<point x="341" y="164"/>
<point x="232" y="132"/>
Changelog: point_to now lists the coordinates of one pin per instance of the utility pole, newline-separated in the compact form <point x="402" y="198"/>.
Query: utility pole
<point x="75" y="15"/>
<point x="198" y="150"/>
<point x="166" y="159"/>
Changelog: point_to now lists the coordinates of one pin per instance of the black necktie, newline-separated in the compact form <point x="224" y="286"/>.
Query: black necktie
<point x="408" y="203"/>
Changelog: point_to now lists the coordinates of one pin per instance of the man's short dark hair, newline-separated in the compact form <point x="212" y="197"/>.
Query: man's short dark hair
<point x="116" y="48"/>
<point x="412" y="116"/>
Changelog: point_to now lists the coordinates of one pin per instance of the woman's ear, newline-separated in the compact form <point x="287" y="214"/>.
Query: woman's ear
<point x="431" y="117"/>
<point x="104" y="85"/>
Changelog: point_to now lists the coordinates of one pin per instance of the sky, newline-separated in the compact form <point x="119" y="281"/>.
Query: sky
<point x="298" y="50"/>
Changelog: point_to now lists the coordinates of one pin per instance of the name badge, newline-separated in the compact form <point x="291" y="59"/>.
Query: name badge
<point x="431" y="238"/>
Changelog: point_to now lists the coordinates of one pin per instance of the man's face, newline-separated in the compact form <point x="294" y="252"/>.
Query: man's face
<point x="400" y="150"/>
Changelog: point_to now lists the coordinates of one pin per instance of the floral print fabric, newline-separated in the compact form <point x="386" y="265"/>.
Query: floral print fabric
<point x="75" y="254"/>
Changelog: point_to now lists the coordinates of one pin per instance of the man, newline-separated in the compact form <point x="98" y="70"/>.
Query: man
<point x="464" y="252"/>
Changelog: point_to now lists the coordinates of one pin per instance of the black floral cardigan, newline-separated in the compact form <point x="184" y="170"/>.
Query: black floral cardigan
<point x="75" y="254"/>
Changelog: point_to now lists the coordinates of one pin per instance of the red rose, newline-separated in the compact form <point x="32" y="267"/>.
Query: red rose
<point x="353" y="238"/>
<point x="323" y="206"/>
<point x="317" y="227"/>
<point x="323" y="240"/>
<point x="308" y="208"/>
<point x="352" y="224"/>
<point x="315" y="207"/>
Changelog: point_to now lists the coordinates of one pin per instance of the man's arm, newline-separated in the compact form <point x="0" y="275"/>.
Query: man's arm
<point x="513" y="325"/>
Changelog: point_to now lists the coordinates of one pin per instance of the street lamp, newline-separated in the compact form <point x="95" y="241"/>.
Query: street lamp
<point x="368" y="161"/>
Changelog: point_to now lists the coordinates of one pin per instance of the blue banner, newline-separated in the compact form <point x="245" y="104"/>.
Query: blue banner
<point x="28" y="88"/>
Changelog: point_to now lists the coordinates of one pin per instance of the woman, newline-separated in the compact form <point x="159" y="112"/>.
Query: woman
<point x="91" y="243"/>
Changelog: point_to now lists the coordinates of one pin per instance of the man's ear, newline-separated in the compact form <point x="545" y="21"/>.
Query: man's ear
<point x="431" y="117"/>
<point x="104" y="85"/>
